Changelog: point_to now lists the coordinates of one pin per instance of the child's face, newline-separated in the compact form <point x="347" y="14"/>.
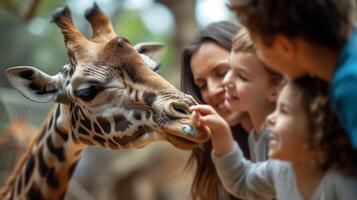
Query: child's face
<point x="288" y="127"/>
<point x="247" y="84"/>
<point x="279" y="56"/>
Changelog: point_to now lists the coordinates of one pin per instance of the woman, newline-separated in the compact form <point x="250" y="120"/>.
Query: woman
<point x="205" y="63"/>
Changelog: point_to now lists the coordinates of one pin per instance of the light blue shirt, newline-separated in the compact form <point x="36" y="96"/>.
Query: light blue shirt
<point x="343" y="88"/>
<point x="273" y="178"/>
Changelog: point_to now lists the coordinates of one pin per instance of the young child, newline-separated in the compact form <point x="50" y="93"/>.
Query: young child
<point x="314" y="156"/>
<point x="251" y="87"/>
<point x="309" y="37"/>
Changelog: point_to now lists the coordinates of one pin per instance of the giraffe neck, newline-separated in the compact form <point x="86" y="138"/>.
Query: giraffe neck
<point x="51" y="162"/>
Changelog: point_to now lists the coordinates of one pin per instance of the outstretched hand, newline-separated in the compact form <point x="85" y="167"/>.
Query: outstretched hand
<point x="221" y="135"/>
<point x="206" y="115"/>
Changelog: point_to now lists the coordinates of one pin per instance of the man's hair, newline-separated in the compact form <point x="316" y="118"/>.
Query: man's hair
<point x="322" y="22"/>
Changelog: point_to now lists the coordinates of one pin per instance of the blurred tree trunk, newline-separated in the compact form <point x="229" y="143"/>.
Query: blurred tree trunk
<point x="186" y="29"/>
<point x="24" y="10"/>
<point x="186" y="26"/>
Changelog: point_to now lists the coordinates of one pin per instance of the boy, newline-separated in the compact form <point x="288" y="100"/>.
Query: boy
<point x="298" y="37"/>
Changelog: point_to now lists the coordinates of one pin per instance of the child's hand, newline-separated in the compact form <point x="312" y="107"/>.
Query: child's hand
<point x="221" y="136"/>
<point x="206" y="115"/>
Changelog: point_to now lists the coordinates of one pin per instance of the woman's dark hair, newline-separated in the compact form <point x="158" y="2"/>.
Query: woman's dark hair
<point x="328" y="138"/>
<point x="206" y="184"/>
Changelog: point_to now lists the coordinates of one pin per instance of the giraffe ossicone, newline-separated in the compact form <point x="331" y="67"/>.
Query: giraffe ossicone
<point x="108" y="96"/>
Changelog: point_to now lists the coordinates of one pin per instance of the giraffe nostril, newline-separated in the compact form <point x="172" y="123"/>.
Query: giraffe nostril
<point x="178" y="110"/>
<point x="181" y="108"/>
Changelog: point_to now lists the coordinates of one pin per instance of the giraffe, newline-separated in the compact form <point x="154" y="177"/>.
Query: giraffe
<point x="106" y="96"/>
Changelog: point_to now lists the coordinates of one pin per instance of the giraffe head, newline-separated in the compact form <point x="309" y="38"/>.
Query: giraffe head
<point x="110" y="93"/>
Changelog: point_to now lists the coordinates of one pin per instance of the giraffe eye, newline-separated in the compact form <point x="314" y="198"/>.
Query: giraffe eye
<point x="87" y="94"/>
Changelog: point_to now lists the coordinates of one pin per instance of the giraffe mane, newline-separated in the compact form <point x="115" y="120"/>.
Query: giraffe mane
<point x="10" y="181"/>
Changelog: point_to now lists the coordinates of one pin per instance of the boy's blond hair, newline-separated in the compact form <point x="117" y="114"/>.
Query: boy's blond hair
<point x="242" y="43"/>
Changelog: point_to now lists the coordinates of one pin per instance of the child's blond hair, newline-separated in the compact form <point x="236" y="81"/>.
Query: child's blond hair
<point x="242" y="43"/>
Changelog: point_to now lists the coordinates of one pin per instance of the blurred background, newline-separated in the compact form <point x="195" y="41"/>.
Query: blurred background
<point x="28" y="38"/>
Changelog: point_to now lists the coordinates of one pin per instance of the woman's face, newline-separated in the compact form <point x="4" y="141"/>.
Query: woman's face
<point x="209" y="66"/>
<point x="288" y="127"/>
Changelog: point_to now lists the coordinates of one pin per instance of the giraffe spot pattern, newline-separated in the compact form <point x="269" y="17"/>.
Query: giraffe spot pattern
<point x="50" y="123"/>
<point x="141" y="130"/>
<point x="85" y="141"/>
<point x="100" y="140"/>
<point x="18" y="185"/>
<point x="73" y="123"/>
<point x="104" y="123"/>
<point x="74" y="138"/>
<point x="34" y="193"/>
<point x="43" y="168"/>
<point x="137" y="115"/>
<point x="62" y="133"/>
<point x="121" y="123"/>
<point x="29" y="169"/>
<point x="51" y="179"/>
<point x="58" y="152"/>
<point x="149" y="98"/>
<point x="86" y="122"/>
<point x="83" y="131"/>
<point x="97" y="129"/>
<point x="71" y="169"/>
<point x="42" y="134"/>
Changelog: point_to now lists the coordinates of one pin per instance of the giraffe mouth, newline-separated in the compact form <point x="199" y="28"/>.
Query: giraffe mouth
<point x="126" y="140"/>
<point x="182" y="143"/>
<point x="187" y="139"/>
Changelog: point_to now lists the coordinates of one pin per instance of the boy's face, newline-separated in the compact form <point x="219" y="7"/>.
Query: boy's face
<point x="279" y="56"/>
<point x="289" y="132"/>
<point x="246" y="83"/>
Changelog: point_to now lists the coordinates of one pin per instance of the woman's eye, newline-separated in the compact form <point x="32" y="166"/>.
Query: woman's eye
<point x="87" y="94"/>
<point x="222" y="73"/>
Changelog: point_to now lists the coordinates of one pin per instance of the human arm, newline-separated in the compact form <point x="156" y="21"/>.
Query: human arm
<point x="245" y="179"/>
<point x="239" y="176"/>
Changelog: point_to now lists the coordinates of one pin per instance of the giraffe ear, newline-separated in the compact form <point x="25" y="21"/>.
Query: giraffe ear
<point x="33" y="83"/>
<point x="151" y="53"/>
